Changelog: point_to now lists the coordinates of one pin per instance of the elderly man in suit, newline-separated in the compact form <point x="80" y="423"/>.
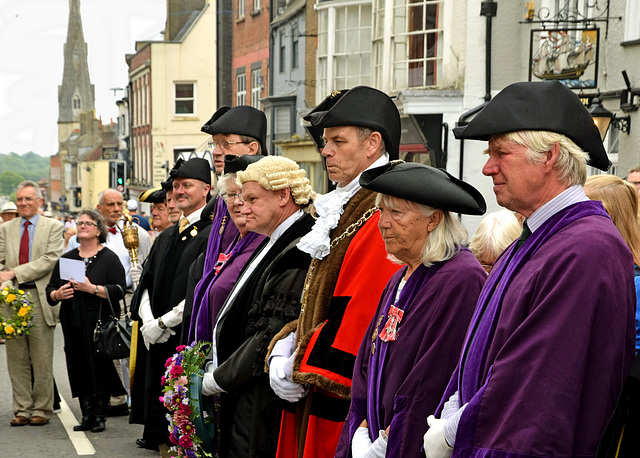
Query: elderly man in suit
<point x="29" y="248"/>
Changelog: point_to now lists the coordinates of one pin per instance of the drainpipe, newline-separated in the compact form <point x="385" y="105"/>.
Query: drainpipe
<point x="488" y="9"/>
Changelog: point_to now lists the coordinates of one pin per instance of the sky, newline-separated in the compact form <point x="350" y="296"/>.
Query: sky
<point x="32" y="37"/>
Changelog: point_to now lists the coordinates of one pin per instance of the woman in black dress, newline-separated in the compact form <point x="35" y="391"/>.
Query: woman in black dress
<point x="92" y="379"/>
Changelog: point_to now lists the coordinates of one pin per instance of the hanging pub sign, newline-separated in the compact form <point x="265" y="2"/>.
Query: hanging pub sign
<point x="566" y="55"/>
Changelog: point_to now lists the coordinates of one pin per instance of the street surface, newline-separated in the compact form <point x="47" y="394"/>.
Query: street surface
<point x="57" y="439"/>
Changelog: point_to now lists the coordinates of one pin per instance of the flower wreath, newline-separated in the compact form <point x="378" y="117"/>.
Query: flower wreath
<point x="18" y="302"/>
<point x="177" y="397"/>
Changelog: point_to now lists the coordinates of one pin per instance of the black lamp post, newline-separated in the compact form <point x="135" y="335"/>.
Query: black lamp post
<point x="601" y="116"/>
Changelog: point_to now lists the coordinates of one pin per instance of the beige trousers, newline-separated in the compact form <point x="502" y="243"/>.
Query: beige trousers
<point x="27" y="352"/>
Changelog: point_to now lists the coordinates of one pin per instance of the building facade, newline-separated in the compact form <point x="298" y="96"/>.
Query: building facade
<point x="172" y="93"/>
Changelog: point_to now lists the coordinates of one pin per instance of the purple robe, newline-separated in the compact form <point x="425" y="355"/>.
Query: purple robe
<point x="404" y="379"/>
<point x="221" y="239"/>
<point x="223" y="234"/>
<point x="550" y="343"/>
<point x="219" y="286"/>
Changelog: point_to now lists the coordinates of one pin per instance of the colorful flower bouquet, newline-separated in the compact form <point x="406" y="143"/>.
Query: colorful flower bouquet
<point x="181" y="395"/>
<point x="19" y="323"/>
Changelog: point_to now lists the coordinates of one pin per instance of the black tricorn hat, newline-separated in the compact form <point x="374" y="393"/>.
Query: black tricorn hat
<point x="545" y="105"/>
<point x="235" y="164"/>
<point x="168" y="184"/>
<point x="362" y="106"/>
<point x="425" y="185"/>
<point x="240" y="120"/>
<point x="153" y="195"/>
<point x="196" y="168"/>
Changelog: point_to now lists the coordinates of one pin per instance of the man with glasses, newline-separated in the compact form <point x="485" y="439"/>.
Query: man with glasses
<point x="237" y="131"/>
<point x="29" y="249"/>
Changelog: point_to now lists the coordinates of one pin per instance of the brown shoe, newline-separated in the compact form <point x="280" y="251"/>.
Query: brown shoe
<point x="19" y="420"/>
<point x="38" y="421"/>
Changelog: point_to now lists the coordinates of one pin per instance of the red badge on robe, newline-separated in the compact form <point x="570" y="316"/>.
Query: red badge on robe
<point x="390" y="331"/>
<point x="222" y="258"/>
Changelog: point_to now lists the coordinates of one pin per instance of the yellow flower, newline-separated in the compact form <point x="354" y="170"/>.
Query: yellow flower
<point x="9" y="329"/>
<point x="20" y="291"/>
<point x="5" y="292"/>
<point x="23" y="311"/>
<point x="24" y="323"/>
<point x="11" y="298"/>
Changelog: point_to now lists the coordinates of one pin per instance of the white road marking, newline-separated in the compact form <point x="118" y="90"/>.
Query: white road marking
<point x="79" y="439"/>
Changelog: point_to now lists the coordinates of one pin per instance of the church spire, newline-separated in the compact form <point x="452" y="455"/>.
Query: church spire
<point x="76" y="94"/>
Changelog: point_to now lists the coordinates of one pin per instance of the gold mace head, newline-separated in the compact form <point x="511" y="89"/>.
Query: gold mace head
<point x="130" y="237"/>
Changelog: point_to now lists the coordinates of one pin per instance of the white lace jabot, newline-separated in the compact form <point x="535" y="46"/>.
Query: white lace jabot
<point x="329" y="208"/>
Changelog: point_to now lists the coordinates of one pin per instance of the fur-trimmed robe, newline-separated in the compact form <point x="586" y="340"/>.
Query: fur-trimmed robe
<point x="341" y="296"/>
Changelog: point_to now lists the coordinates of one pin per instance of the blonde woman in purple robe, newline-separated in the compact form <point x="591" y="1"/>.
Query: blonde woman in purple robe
<point x="412" y="344"/>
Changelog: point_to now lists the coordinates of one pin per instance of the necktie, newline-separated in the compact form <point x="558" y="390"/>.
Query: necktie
<point x="184" y="222"/>
<point x="113" y="230"/>
<point x="526" y="232"/>
<point x="23" y="255"/>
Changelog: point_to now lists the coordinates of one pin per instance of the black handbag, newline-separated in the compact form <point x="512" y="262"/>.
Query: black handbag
<point x="112" y="340"/>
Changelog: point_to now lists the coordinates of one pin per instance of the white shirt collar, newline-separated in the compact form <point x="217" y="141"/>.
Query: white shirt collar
<point x="286" y="224"/>
<point x="568" y="197"/>
<point x="193" y="217"/>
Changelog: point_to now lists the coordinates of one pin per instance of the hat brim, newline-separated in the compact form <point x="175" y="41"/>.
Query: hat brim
<point x="545" y="106"/>
<point x="425" y="185"/>
<point x="153" y="196"/>
<point x="235" y="164"/>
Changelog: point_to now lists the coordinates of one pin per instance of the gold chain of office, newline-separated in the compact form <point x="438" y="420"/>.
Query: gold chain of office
<point x="349" y="231"/>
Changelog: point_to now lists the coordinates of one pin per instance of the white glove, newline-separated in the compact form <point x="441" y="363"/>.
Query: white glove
<point x="145" y="312"/>
<point x="135" y="272"/>
<point x="210" y="386"/>
<point x="435" y="445"/>
<point x="166" y="335"/>
<point x="174" y="316"/>
<point x="362" y="447"/>
<point x="153" y="334"/>
<point x="283" y="386"/>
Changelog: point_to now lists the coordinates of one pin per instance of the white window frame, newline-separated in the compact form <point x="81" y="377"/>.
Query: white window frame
<point x="256" y="5"/>
<point x="391" y="47"/>
<point x="295" y="48"/>
<point x="191" y="99"/>
<point x="282" y="121"/>
<point x="282" y="49"/>
<point x="256" y="87"/>
<point x="241" y="89"/>
<point x="240" y="9"/>
<point x="632" y="21"/>
<point x="336" y="43"/>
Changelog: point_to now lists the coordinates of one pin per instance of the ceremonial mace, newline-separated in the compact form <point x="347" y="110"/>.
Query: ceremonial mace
<point x="131" y="241"/>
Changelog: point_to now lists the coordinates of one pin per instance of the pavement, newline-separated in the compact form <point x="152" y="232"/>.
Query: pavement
<point x="57" y="438"/>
